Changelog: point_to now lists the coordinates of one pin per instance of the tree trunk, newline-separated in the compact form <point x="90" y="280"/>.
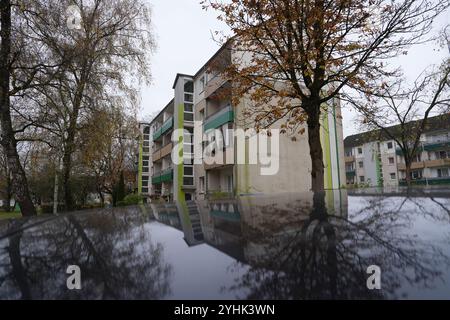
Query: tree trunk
<point x="315" y="150"/>
<point x="408" y="172"/>
<point x="8" y="140"/>
<point x="56" y="187"/>
<point x="8" y="192"/>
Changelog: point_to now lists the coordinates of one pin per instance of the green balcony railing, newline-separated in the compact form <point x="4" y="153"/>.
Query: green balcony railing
<point x="163" y="129"/>
<point x="163" y="176"/>
<point x="438" y="146"/>
<point x="350" y="173"/>
<point x="219" y="118"/>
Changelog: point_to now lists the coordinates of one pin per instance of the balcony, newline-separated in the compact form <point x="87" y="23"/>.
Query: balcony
<point x="427" y="181"/>
<point x="162" y="152"/>
<point x="166" y="150"/>
<point x="163" y="176"/>
<point x="350" y="173"/>
<point x="163" y="129"/>
<point x="349" y="159"/>
<point x="219" y="118"/>
<point x="156" y="155"/>
<point x="226" y="158"/>
<point x="437" y="163"/>
<point x="437" y="146"/>
<point x="214" y="84"/>
<point x="414" y="165"/>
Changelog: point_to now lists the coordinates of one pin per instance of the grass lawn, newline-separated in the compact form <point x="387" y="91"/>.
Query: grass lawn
<point x="9" y="215"/>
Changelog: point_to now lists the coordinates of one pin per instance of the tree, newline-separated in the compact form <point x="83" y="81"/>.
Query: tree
<point x="303" y="53"/>
<point x="102" y="55"/>
<point x="10" y="59"/>
<point x="409" y="110"/>
<point x="108" y="151"/>
<point x="5" y="182"/>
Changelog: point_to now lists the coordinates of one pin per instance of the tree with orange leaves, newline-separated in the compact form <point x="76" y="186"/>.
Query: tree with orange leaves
<point x="303" y="53"/>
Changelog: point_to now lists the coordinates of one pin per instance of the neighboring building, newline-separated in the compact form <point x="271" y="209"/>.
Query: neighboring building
<point x="372" y="159"/>
<point x="206" y="98"/>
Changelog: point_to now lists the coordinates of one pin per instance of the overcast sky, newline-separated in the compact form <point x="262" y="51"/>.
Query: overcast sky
<point x="184" y="38"/>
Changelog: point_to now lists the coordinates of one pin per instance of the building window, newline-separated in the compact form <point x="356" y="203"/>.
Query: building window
<point x="361" y="164"/>
<point x="188" y="86"/>
<point x="230" y="183"/>
<point x="201" y="184"/>
<point x="188" y="97"/>
<point x="202" y="83"/>
<point x="391" y="160"/>
<point x="443" y="172"/>
<point x="389" y="145"/>
<point x="361" y="179"/>
<point x="359" y="150"/>
<point x="442" y="154"/>
<point x="393" y="176"/>
<point x="416" y="174"/>
<point x="201" y="115"/>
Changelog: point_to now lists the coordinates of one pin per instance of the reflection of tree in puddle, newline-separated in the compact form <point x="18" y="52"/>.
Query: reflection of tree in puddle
<point x="301" y="251"/>
<point x="114" y="251"/>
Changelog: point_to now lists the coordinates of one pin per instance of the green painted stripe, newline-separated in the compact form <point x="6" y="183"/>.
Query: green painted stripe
<point x="337" y="146"/>
<point x="326" y="146"/>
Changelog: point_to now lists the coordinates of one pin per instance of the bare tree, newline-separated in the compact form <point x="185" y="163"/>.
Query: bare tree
<point x="402" y="114"/>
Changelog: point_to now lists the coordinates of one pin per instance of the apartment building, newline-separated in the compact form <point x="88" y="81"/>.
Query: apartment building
<point x="202" y="105"/>
<point x="372" y="159"/>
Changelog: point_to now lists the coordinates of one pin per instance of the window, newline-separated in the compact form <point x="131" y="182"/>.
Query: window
<point x="146" y="158"/>
<point x="361" y="178"/>
<point x="442" y="154"/>
<point x="188" y="112"/>
<point x="359" y="150"/>
<point x="188" y="171"/>
<point x="144" y="178"/>
<point x="416" y="174"/>
<point x="145" y="183"/>
<point x="391" y="160"/>
<point x="144" y="190"/>
<point x="393" y="176"/>
<point x="201" y="115"/>
<point x="230" y="183"/>
<point x="348" y="153"/>
<point x="188" y="97"/>
<point x="443" y="172"/>
<point x="202" y="83"/>
<point x="201" y="184"/>
<point x="389" y="145"/>
<point x="361" y="164"/>
<point x="188" y="86"/>
<point x="188" y="181"/>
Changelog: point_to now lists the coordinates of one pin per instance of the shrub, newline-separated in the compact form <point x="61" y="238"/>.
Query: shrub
<point x="131" y="199"/>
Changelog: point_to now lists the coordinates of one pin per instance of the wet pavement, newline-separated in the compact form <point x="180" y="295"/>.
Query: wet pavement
<point x="285" y="246"/>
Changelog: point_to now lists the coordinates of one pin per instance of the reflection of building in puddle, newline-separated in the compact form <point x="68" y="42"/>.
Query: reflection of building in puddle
<point x="255" y="227"/>
<point x="167" y="213"/>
